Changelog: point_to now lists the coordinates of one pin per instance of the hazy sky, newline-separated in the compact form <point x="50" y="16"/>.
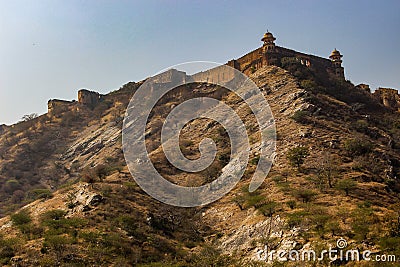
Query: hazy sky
<point x="51" y="49"/>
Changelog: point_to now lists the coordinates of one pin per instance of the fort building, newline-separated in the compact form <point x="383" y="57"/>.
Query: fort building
<point x="266" y="55"/>
<point x="271" y="54"/>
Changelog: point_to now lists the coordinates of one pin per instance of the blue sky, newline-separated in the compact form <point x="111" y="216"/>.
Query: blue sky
<point x="51" y="49"/>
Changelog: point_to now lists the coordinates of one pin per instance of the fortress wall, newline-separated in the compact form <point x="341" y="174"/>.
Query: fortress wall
<point x="285" y="52"/>
<point x="220" y="74"/>
<point x="388" y="97"/>
<point x="253" y="55"/>
<point x="251" y="58"/>
<point x="89" y="98"/>
<point x="58" y="106"/>
<point x="170" y="76"/>
<point x="255" y="58"/>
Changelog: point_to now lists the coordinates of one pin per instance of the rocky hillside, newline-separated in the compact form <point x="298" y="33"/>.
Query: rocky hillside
<point x="67" y="197"/>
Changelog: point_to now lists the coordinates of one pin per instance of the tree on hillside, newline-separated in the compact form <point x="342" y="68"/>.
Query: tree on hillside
<point x="297" y="155"/>
<point x="29" y="117"/>
<point x="346" y="185"/>
<point x="328" y="168"/>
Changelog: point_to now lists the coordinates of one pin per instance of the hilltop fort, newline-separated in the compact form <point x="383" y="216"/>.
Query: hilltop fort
<point x="266" y="55"/>
<point x="271" y="54"/>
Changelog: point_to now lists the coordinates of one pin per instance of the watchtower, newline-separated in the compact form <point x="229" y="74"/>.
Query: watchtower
<point x="336" y="59"/>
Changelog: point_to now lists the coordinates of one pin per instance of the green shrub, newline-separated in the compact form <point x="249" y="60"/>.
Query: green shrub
<point x="6" y="253"/>
<point x="346" y="185"/>
<point x="269" y="208"/>
<point x="357" y="147"/>
<point x="114" y="243"/>
<point x="361" y="126"/>
<point x="291" y="204"/>
<point x="278" y="179"/>
<point x="254" y="200"/>
<point x="319" y="221"/>
<point x="246" y="199"/>
<point x="390" y="244"/>
<point x="297" y="155"/>
<point x="362" y="223"/>
<point x="333" y="227"/>
<point x="209" y="256"/>
<point x="90" y="237"/>
<point x="57" y="224"/>
<point x="57" y="243"/>
<point x="104" y="170"/>
<point x="40" y="193"/>
<point x="295" y="219"/>
<point x="7" y="249"/>
<point x="53" y="215"/>
<point x="130" y="225"/>
<point x="305" y="195"/>
<point x="21" y="218"/>
<point x="131" y="185"/>
<point x="300" y="116"/>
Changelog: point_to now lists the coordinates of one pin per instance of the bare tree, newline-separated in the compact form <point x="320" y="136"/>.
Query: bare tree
<point x="29" y="117"/>
<point x="328" y="168"/>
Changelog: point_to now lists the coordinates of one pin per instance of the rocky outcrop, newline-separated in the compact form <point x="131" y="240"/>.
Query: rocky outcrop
<point x="83" y="199"/>
<point x="91" y="143"/>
